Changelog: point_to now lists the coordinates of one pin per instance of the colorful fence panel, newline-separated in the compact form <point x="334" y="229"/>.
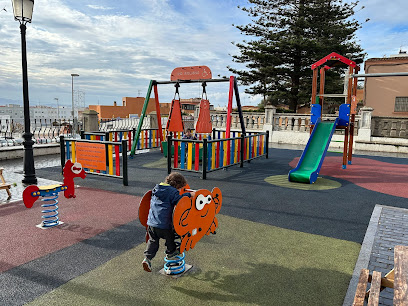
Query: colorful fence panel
<point x="209" y="155"/>
<point x="98" y="157"/>
<point x="148" y="139"/>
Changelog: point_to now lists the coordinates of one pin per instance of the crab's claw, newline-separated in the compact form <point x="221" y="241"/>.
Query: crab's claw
<point x="30" y="195"/>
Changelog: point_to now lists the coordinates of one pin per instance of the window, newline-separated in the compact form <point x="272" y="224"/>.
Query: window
<point x="401" y="104"/>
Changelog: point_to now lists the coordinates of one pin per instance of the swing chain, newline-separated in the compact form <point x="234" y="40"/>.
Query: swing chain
<point x="204" y="84"/>
<point x="177" y="85"/>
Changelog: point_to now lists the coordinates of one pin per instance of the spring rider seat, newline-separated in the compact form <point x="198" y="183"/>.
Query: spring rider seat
<point x="49" y="194"/>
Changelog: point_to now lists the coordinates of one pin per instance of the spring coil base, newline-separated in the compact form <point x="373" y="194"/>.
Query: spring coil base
<point x="50" y="210"/>
<point x="175" y="266"/>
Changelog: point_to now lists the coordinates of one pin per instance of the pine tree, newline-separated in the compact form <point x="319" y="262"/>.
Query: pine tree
<point x="287" y="37"/>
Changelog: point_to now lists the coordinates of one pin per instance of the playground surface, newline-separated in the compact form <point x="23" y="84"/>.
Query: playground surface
<point x="278" y="243"/>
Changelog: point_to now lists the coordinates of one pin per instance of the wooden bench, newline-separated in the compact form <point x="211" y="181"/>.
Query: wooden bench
<point x="397" y="278"/>
<point x="3" y="184"/>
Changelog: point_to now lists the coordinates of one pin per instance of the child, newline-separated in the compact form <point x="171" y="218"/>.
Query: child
<point x="164" y="197"/>
<point x="188" y="135"/>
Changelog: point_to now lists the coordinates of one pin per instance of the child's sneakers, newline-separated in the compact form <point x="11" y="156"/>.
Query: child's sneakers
<point x="173" y="255"/>
<point x="147" y="266"/>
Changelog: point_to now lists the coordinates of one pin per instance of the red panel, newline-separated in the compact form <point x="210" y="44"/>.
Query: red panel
<point x="175" y="122"/>
<point x="197" y="157"/>
<point x="144" y="208"/>
<point x="176" y="154"/>
<point x="239" y="150"/>
<point x="334" y="56"/>
<point x="117" y="160"/>
<point x="191" y="73"/>
<point x="159" y="131"/>
<point x="203" y="124"/>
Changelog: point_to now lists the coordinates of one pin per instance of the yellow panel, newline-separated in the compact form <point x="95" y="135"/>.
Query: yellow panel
<point x="73" y="151"/>
<point x="189" y="156"/>
<point x="93" y="137"/>
<point x="110" y="155"/>
<point x="154" y="138"/>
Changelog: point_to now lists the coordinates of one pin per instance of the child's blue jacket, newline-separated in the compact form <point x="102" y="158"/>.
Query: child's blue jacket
<point x="164" y="198"/>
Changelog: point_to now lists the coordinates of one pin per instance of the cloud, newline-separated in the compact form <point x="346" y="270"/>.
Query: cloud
<point x="115" y="53"/>
<point x="99" y="7"/>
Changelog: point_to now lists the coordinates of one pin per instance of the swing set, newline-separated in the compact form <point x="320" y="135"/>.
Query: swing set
<point x="206" y="154"/>
<point x="185" y="75"/>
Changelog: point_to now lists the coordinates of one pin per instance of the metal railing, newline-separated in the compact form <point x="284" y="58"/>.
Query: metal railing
<point x="43" y="130"/>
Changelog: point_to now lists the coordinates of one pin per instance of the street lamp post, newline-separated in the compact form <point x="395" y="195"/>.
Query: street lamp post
<point x="23" y="12"/>
<point x="73" y="109"/>
<point x="57" y="108"/>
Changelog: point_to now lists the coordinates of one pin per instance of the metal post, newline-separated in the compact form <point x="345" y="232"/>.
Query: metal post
<point x="28" y="159"/>
<point x="62" y="153"/>
<point x="74" y="126"/>
<point x="57" y="107"/>
<point x="169" y="144"/>
<point x="125" y="163"/>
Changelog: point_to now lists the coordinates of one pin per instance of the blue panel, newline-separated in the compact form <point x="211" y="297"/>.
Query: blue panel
<point x="183" y="155"/>
<point x="344" y="115"/>
<point x="68" y="152"/>
<point x="315" y="113"/>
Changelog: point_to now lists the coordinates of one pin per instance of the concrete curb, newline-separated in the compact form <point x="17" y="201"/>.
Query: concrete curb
<point x="365" y="253"/>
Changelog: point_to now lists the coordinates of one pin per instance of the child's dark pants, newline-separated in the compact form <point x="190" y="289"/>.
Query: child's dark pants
<point x="155" y="234"/>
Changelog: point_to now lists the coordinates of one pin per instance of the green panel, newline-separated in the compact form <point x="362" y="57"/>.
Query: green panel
<point x="314" y="153"/>
<point x="142" y="115"/>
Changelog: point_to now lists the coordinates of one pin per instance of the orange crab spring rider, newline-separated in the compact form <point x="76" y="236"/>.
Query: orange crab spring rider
<point x="50" y="194"/>
<point x="193" y="218"/>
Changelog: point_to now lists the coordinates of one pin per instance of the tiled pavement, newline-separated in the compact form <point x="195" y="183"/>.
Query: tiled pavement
<point x="388" y="227"/>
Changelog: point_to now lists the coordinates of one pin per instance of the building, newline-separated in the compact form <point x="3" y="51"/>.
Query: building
<point x="388" y="96"/>
<point x="37" y="113"/>
<point x="130" y="107"/>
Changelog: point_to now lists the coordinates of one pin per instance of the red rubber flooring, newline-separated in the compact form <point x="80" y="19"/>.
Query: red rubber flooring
<point x="367" y="173"/>
<point x="92" y="212"/>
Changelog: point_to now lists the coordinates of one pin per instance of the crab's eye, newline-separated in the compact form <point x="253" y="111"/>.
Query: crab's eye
<point x="76" y="168"/>
<point x="209" y="199"/>
<point x="200" y="202"/>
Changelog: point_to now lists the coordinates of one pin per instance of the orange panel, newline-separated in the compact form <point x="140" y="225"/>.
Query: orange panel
<point x="203" y="124"/>
<point x="195" y="217"/>
<point x="144" y="208"/>
<point x="91" y="155"/>
<point x="175" y="122"/>
<point x="191" y="73"/>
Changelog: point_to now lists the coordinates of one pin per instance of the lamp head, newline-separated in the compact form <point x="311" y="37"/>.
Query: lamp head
<point x="23" y="10"/>
<point x="74" y="74"/>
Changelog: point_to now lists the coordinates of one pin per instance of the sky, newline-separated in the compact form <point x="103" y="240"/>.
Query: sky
<point x="117" y="47"/>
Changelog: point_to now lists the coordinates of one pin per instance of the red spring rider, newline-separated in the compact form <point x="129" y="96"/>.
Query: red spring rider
<point x="50" y="194"/>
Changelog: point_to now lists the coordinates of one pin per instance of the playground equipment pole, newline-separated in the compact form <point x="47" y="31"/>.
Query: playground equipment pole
<point x="142" y="115"/>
